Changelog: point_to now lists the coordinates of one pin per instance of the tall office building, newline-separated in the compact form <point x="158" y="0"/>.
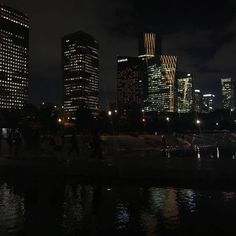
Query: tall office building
<point x="129" y="85"/>
<point x="150" y="46"/>
<point x="161" y="90"/>
<point x="80" y="72"/>
<point x="14" y="58"/>
<point x="158" y="89"/>
<point x="208" y="101"/>
<point x="169" y="65"/>
<point x="197" y="101"/>
<point x="184" y="93"/>
<point x="227" y="88"/>
<point x="151" y="63"/>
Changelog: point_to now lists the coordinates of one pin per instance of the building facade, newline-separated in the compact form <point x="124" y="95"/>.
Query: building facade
<point x="129" y="85"/>
<point x="158" y="89"/>
<point x="184" y="92"/>
<point x="197" y="101"/>
<point x="227" y="88"/>
<point x="208" y="101"/>
<point x="80" y="72"/>
<point x="150" y="46"/>
<point x="156" y="100"/>
<point x="169" y="65"/>
<point x="14" y="58"/>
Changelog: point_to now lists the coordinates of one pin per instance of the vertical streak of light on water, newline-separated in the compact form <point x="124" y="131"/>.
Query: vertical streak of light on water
<point x="217" y="153"/>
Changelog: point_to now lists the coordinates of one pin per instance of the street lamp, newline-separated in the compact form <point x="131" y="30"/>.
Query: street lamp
<point x="198" y="122"/>
<point x="109" y="113"/>
<point x="116" y="111"/>
<point x="168" y="119"/>
<point x="59" y="120"/>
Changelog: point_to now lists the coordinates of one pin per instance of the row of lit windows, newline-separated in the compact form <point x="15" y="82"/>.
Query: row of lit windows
<point x="15" y="21"/>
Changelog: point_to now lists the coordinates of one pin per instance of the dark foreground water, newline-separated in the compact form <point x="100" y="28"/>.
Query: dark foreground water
<point x="59" y="207"/>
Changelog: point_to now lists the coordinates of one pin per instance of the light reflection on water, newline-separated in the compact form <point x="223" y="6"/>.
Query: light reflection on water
<point x="11" y="211"/>
<point x="153" y="211"/>
<point x="123" y="210"/>
<point x="122" y="216"/>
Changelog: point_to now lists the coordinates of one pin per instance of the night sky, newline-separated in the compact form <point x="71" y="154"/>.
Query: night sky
<point x="201" y="33"/>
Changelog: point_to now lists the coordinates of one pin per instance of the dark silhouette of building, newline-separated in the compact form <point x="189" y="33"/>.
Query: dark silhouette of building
<point x="227" y="89"/>
<point x="197" y="101"/>
<point x="14" y="60"/>
<point x="129" y="85"/>
<point x="80" y="72"/>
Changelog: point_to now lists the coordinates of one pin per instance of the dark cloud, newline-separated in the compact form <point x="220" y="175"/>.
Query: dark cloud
<point x="201" y="33"/>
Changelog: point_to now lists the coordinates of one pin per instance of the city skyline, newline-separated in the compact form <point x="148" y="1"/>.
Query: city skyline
<point x="194" y="39"/>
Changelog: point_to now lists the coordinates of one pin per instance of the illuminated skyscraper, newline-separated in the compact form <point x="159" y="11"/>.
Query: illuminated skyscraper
<point x="184" y="87"/>
<point x="227" y="85"/>
<point x="14" y="58"/>
<point x="150" y="46"/>
<point x="208" y="101"/>
<point x="158" y="90"/>
<point x="129" y="86"/>
<point x="161" y="93"/>
<point x="169" y="65"/>
<point x="81" y="72"/>
<point x="197" y="101"/>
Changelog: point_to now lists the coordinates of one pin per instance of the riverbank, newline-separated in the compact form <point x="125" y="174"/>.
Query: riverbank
<point x="134" y="159"/>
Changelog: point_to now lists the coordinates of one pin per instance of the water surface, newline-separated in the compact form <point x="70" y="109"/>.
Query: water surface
<point x="62" y="207"/>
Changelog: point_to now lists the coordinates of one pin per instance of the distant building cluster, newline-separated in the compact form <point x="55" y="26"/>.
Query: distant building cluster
<point x="162" y="86"/>
<point x="150" y="81"/>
